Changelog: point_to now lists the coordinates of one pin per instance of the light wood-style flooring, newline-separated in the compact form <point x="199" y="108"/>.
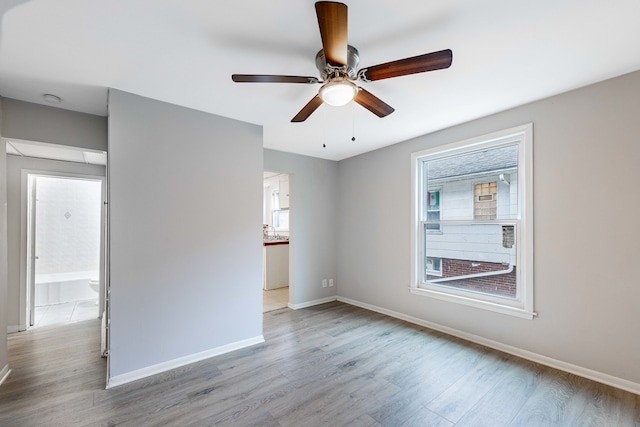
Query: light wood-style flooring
<point x="333" y="365"/>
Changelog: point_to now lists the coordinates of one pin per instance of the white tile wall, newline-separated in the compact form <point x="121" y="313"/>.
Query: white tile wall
<point x="67" y="225"/>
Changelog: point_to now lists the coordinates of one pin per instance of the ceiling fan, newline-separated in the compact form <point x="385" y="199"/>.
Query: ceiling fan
<point x="337" y="62"/>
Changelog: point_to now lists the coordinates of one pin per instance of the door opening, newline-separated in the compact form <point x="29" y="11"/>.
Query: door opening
<point x="64" y="249"/>
<point x="278" y="286"/>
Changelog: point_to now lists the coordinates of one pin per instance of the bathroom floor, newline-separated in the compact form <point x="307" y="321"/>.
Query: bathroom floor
<point x="67" y="312"/>
<point x="274" y="299"/>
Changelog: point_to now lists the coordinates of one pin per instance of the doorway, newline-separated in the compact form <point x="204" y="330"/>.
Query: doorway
<point x="277" y="281"/>
<point x="65" y="230"/>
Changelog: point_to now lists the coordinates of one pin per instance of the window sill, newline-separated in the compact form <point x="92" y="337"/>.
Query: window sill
<point x="485" y="305"/>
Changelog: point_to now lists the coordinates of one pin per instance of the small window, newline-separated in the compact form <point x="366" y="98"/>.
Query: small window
<point x="281" y="220"/>
<point x="473" y="225"/>
<point x="485" y="205"/>
<point x="434" y="266"/>
<point x="433" y="210"/>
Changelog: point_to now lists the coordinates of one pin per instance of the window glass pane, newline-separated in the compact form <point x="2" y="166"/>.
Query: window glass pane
<point x="474" y="257"/>
<point x="433" y="216"/>
<point x="281" y="220"/>
<point x="478" y="185"/>
<point x="465" y="165"/>
<point x="433" y="268"/>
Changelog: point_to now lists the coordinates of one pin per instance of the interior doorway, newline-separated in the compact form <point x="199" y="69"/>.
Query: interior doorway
<point x="277" y="281"/>
<point x="65" y="229"/>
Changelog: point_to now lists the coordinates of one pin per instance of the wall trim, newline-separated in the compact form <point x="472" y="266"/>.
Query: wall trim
<point x="312" y="303"/>
<point x="16" y="328"/>
<point x="600" y="377"/>
<point x="4" y="373"/>
<point x="180" y="361"/>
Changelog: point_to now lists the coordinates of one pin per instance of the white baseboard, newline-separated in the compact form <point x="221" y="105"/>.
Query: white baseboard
<point x="312" y="303"/>
<point x="525" y="354"/>
<point x="4" y="373"/>
<point x="180" y="361"/>
<point x="16" y="328"/>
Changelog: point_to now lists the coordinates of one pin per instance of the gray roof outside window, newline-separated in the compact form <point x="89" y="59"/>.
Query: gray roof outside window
<point x="493" y="159"/>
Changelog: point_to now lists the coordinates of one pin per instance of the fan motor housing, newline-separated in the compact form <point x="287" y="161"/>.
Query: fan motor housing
<point x="349" y="70"/>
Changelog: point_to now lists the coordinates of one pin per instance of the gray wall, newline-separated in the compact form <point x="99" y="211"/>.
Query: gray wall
<point x="33" y="122"/>
<point x="313" y="187"/>
<point x="586" y="175"/>
<point x="15" y="164"/>
<point x="4" y="356"/>
<point x="185" y="201"/>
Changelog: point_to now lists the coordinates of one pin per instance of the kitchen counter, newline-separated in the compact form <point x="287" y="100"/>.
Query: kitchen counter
<point x="275" y="242"/>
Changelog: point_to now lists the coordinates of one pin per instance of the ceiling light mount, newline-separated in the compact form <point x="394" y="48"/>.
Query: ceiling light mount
<point x="51" y="99"/>
<point x="349" y="70"/>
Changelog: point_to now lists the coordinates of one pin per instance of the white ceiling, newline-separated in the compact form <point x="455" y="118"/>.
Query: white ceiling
<point x="505" y="53"/>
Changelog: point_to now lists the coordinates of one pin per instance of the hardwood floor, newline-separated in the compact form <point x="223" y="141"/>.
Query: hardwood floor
<point x="333" y="364"/>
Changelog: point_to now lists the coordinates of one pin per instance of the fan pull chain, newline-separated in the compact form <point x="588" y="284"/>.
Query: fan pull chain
<point x="353" y="122"/>
<point x="324" y="134"/>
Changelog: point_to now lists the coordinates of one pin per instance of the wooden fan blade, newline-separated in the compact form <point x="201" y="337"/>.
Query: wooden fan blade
<point x="373" y="103"/>
<point x="308" y="109"/>
<point x="267" y="78"/>
<point x="417" y="64"/>
<point x="332" y="20"/>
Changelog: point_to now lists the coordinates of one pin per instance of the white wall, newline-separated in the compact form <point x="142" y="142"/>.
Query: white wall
<point x="16" y="303"/>
<point x="185" y="220"/>
<point x="313" y="186"/>
<point x="33" y="122"/>
<point x="585" y="149"/>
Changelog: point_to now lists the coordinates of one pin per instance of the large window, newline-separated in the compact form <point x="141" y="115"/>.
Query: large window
<point x="473" y="234"/>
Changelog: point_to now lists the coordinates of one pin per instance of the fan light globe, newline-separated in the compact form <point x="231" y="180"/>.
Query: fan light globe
<point x="338" y="93"/>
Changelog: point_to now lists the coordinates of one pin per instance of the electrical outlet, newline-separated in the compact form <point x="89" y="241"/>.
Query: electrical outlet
<point x="324" y="283"/>
<point x="330" y="282"/>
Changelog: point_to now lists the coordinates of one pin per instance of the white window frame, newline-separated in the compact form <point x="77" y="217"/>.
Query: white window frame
<point x="522" y="305"/>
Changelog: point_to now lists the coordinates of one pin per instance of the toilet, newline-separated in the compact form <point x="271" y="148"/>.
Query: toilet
<point x="95" y="285"/>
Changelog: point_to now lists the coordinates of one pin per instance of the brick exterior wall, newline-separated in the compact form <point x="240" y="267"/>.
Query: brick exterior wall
<point x="501" y="285"/>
